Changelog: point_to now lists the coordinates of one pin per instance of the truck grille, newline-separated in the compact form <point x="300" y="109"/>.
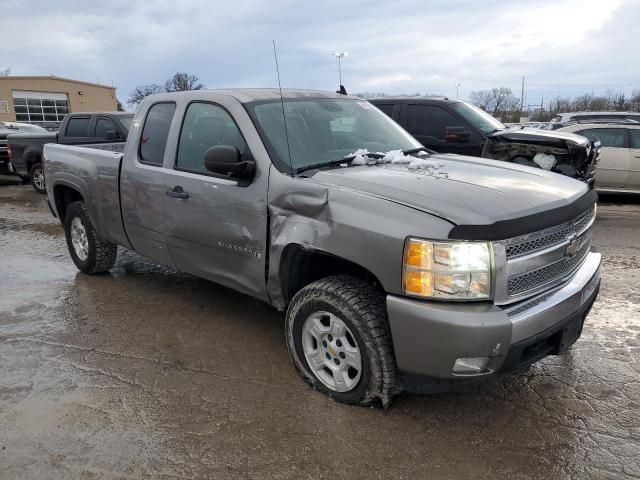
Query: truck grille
<point x="518" y="249"/>
<point x="541" y="260"/>
<point x="548" y="274"/>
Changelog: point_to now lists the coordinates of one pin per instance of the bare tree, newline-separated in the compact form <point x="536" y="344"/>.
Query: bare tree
<point x="620" y="102"/>
<point x="634" y="101"/>
<point x="6" y="72"/>
<point x="142" y="91"/>
<point x="182" y="82"/>
<point x="495" y="100"/>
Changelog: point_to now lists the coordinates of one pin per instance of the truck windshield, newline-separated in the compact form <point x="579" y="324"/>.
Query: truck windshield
<point x="478" y="117"/>
<point x="324" y="130"/>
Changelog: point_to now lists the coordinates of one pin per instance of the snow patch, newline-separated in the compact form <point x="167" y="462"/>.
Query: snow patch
<point x="361" y="157"/>
<point x="544" y="161"/>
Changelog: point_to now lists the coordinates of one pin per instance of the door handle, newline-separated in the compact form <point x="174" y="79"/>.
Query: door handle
<point x="178" y="192"/>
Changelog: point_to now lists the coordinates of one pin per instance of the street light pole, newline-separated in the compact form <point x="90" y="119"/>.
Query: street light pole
<point x="339" y="56"/>
<point x="457" y="87"/>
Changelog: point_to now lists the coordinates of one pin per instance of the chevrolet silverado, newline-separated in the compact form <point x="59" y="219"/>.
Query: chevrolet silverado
<point x="399" y="269"/>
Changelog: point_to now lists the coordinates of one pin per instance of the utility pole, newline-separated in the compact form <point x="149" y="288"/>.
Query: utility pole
<point x="522" y="98"/>
<point x="457" y="91"/>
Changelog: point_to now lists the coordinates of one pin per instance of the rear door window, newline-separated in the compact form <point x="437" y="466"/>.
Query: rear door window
<point x="153" y="140"/>
<point x="609" y="137"/>
<point x="78" y="127"/>
<point x="430" y="121"/>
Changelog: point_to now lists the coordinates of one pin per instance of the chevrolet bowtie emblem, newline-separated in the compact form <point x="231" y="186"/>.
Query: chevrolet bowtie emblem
<point x="572" y="248"/>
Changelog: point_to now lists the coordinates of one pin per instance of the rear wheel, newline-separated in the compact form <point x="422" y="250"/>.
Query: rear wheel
<point x="37" y="178"/>
<point x="88" y="251"/>
<point x="339" y="340"/>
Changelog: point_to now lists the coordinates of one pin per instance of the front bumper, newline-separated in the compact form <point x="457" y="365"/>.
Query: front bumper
<point x="428" y="337"/>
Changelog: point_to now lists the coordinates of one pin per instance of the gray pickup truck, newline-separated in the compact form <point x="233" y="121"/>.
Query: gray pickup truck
<point x="398" y="270"/>
<point x="103" y="130"/>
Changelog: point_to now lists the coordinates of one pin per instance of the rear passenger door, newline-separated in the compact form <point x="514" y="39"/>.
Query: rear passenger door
<point x="633" y="180"/>
<point x="216" y="226"/>
<point x="615" y="158"/>
<point x="142" y="185"/>
<point x="78" y="130"/>
<point x="429" y="124"/>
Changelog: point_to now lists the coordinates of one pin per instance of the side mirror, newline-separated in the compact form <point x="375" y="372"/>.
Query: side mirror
<point x="110" y="135"/>
<point x="457" y="134"/>
<point x="227" y="160"/>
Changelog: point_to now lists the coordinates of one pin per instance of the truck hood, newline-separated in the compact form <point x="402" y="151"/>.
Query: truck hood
<point x="463" y="190"/>
<point x="532" y="135"/>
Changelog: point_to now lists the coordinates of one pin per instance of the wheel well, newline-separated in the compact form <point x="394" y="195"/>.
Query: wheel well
<point x="32" y="160"/>
<point x="300" y="266"/>
<point x="65" y="196"/>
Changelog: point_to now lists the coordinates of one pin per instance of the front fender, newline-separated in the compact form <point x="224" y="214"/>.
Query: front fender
<point x="362" y="229"/>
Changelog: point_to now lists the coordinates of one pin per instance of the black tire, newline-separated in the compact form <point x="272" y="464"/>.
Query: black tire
<point x="101" y="255"/>
<point x="35" y="173"/>
<point x="363" y="309"/>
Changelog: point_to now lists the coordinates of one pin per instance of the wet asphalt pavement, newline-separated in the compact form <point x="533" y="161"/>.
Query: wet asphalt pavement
<point x="146" y="372"/>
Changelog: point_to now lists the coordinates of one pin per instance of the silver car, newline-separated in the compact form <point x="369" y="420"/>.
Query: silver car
<point x="618" y="170"/>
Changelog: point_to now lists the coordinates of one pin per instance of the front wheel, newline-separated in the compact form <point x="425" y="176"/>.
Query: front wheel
<point x="37" y="178"/>
<point x="88" y="251"/>
<point x="339" y="339"/>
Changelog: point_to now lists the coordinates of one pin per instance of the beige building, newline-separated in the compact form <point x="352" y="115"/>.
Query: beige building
<point x="42" y="100"/>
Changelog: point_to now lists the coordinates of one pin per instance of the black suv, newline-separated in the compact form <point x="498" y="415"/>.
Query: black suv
<point x="454" y="126"/>
<point x="441" y="124"/>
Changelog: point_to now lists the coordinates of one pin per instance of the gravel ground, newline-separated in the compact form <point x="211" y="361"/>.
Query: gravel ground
<point x="146" y="372"/>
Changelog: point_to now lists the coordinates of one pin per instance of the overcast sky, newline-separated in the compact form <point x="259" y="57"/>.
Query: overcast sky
<point x="563" y="47"/>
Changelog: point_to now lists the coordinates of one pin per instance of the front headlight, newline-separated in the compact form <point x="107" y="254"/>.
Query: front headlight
<point x="447" y="270"/>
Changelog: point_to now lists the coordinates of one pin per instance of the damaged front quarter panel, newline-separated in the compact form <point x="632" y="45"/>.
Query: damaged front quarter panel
<point x="567" y="154"/>
<point x="330" y="220"/>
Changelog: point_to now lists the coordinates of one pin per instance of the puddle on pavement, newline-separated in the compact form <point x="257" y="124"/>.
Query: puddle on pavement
<point x="150" y="372"/>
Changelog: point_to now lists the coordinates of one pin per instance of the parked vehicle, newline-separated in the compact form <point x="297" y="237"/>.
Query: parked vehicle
<point x="564" y="119"/>
<point x="6" y="129"/>
<point x="538" y="125"/>
<point x="105" y="130"/>
<point x="24" y="127"/>
<point x="406" y="270"/>
<point x="454" y="126"/>
<point x="618" y="170"/>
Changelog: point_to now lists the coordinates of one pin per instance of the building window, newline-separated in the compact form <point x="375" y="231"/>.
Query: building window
<point x="4" y="106"/>
<point x="38" y="107"/>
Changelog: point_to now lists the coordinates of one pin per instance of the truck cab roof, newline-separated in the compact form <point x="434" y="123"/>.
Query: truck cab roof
<point x="415" y="100"/>
<point x="248" y="95"/>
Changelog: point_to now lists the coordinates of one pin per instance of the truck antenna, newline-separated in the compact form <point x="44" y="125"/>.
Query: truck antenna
<point x="284" y="117"/>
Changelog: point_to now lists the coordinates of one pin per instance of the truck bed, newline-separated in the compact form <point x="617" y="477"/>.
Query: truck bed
<point x="93" y="169"/>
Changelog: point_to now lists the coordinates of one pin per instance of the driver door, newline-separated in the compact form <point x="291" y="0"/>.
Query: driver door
<point x="215" y="226"/>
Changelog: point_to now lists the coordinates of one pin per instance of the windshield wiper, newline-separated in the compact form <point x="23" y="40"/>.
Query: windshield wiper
<point x="332" y="163"/>
<point x="411" y="151"/>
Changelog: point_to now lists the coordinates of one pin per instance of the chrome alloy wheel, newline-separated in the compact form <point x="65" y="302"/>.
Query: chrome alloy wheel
<point x="38" y="178"/>
<point x="79" y="239"/>
<point x="331" y="351"/>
